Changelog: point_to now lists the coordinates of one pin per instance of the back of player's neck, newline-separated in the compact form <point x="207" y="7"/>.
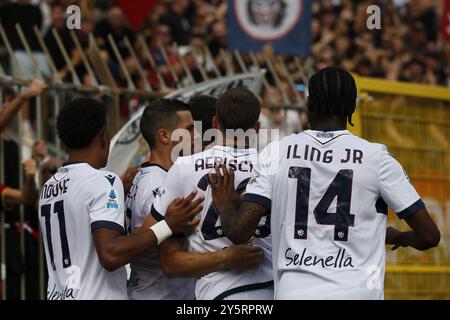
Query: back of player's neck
<point x="237" y="143"/>
<point x="83" y="156"/>
<point x="328" y="128"/>
<point x="161" y="158"/>
<point x="328" y="125"/>
<point x="76" y="158"/>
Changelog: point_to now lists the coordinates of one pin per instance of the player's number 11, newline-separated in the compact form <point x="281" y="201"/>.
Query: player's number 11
<point x="58" y="208"/>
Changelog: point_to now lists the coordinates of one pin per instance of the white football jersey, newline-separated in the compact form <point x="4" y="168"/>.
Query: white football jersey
<point x="328" y="193"/>
<point x="190" y="173"/>
<point x="77" y="200"/>
<point x="148" y="281"/>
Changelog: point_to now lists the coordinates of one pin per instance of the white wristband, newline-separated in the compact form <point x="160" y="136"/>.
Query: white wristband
<point x="161" y="231"/>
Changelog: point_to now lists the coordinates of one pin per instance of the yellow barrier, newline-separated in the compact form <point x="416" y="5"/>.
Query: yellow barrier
<point x="413" y="121"/>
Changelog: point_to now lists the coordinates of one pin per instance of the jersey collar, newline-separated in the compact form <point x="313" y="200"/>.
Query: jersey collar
<point x="69" y="163"/>
<point x="233" y="149"/>
<point x="148" y="165"/>
<point x="327" y="131"/>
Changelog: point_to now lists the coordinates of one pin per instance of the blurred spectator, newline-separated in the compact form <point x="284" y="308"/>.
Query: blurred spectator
<point x="273" y="117"/>
<point x="10" y="108"/>
<point x="339" y="32"/>
<point x="178" y="21"/>
<point x="58" y="15"/>
<point x="218" y="37"/>
<point x="27" y="16"/>
<point x="47" y="165"/>
<point x="115" y="25"/>
<point x="163" y="37"/>
<point x="10" y="197"/>
<point x="405" y="48"/>
<point x="87" y="27"/>
<point x="152" y="20"/>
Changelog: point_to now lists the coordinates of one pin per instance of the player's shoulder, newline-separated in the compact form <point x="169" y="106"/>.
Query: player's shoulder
<point x="100" y="178"/>
<point x="150" y="175"/>
<point x="279" y="145"/>
<point x="183" y="161"/>
<point x="377" y="147"/>
<point x="152" y="169"/>
<point x="294" y="137"/>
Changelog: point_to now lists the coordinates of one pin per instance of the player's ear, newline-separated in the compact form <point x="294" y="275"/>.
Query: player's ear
<point x="164" y="136"/>
<point x="105" y="139"/>
<point x="257" y="126"/>
<point x="308" y="103"/>
<point x="215" y="123"/>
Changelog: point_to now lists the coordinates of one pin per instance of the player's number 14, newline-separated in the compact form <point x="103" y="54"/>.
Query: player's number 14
<point x="340" y="187"/>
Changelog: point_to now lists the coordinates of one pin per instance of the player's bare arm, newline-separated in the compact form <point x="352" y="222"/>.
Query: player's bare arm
<point x="178" y="263"/>
<point x="28" y="195"/>
<point x="115" y="250"/>
<point x="424" y="234"/>
<point x="127" y="178"/>
<point x="176" y="214"/>
<point x="239" y="224"/>
<point x="11" y="108"/>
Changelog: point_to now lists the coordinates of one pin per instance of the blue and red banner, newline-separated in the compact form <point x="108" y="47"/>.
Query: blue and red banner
<point x="286" y="24"/>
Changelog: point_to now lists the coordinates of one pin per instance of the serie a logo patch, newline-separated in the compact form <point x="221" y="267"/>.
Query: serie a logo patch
<point x="112" y="202"/>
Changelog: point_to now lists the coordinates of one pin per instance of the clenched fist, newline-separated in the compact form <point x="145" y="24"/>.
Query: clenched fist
<point x="30" y="168"/>
<point x="34" y="89"/>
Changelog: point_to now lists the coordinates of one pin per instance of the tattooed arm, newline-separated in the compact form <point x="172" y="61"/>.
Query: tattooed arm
<point x="239" y="224"/>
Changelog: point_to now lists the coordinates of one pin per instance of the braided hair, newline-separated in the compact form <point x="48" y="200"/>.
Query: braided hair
<point x="332" y="92"/>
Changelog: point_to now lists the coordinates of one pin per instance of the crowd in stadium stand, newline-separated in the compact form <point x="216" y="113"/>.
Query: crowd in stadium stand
<point x="406" y="48"/>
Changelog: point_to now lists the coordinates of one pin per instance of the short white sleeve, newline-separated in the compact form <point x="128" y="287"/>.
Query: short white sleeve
<point x="395" y="187"/>
<point x="105" y="199"/>
<point x="139" y="216"/>
<point x="146" y="206"/>
<point x="172" y="189"/>
<point x="259" y="188"/>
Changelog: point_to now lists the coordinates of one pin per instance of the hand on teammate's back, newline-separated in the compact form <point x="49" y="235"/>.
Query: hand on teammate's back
<point x="128" y="177"/>
<point x="222" y="190"/>
<point x="243" y="257"/>
<point x="182" y="211"/>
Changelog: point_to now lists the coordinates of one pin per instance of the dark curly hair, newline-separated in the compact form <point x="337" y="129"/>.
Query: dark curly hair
<point x="332" y="91"/>
<point x="238" y="108"/>
<point x="203" y="109"/>
<point x="80" y="121"/>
